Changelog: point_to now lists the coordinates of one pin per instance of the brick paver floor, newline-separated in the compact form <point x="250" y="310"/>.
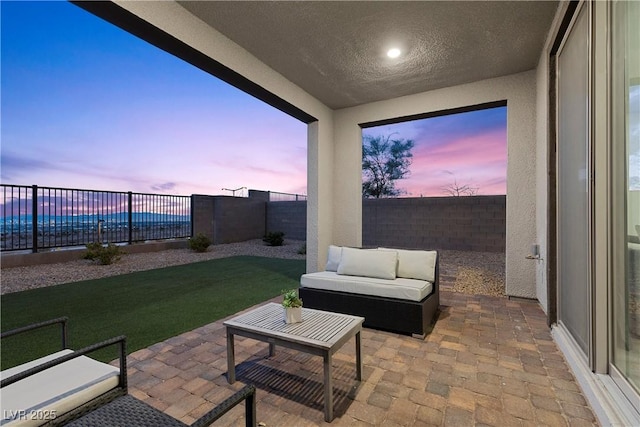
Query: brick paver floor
<point x="488" y="361"/>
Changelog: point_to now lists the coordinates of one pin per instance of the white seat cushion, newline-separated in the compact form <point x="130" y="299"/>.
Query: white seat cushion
<point x="400" y="288"/>
<point x="56" y="390"/>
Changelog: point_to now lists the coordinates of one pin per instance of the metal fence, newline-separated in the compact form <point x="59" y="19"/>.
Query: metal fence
<point x="274" y="196"/>
<point x="33" y="217"/>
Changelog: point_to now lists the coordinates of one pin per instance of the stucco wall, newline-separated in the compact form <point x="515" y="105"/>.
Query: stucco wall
<point x="519" y="90"/>
<point x="542" y="178"/>
<point x="320" y="203"/>
<point x="543" y="130"/>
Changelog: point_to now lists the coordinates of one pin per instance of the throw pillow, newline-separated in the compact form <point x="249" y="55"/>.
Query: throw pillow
<point x="333" y="258"/>
<point x="416" y="264"/>
<point x="367" y="263"/>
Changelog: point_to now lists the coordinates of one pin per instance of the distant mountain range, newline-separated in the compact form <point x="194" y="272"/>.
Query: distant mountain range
<point x="119" y="217"/>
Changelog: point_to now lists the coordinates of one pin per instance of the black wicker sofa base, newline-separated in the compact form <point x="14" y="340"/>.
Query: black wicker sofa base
<point x="397" y="315"/>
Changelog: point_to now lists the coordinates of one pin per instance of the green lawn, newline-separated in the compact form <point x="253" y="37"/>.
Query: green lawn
<point x="147" y="306"/>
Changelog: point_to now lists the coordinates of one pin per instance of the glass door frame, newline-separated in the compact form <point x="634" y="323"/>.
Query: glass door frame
<point x="589" y="355"/>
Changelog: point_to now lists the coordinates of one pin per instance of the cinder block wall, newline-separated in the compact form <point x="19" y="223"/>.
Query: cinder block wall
<point x="236" y="219"/>
<point x="202" y="215"/>
<point x="288" y="217"/>
<point x="470" y="223"/>
<point x="228" y="219"/>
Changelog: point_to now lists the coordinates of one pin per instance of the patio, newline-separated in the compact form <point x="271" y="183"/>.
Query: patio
<point x="488" y="361"/>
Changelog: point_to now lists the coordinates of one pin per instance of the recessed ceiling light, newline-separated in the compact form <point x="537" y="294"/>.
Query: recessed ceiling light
<point x="393" y="53"/>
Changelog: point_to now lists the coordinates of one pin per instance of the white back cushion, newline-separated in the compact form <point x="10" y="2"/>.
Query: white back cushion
<point x="416" y="264"/>
<point x="333" y="258"/>
<point x="363" y="262"/>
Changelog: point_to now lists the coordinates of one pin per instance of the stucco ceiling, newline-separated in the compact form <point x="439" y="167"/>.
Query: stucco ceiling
<point x="336" y="50"/>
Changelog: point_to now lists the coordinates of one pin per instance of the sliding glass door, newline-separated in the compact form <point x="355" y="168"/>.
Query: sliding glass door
<point x="573" y="204"/>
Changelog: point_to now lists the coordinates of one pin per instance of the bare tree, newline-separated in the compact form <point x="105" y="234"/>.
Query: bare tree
<point x="457" y="190"/>
<point x="384" y="161"/>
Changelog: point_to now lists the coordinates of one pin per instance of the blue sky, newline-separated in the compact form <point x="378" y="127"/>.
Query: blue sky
<point x="87" y="105"/>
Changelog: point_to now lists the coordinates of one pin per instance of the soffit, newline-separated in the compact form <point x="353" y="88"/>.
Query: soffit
<point x="336" y="51"/>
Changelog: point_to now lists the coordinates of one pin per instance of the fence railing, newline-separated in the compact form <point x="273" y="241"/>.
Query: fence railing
<point x="34" y="218"/>
<point x="274" y="196"/>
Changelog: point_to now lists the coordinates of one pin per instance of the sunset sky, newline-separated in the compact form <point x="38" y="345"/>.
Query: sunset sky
<point x="87" y="105"/>
<point x="467" y="148"/>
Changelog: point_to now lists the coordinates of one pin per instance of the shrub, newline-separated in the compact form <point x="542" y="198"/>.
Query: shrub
<point x="274" y="238"/>
<point x="105" y="255"/>
<point x="303" y="249"/>
<point x="199" y="243"/>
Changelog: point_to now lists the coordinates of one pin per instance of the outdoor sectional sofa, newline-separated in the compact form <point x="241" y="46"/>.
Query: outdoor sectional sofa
<point x="393" y="289"/>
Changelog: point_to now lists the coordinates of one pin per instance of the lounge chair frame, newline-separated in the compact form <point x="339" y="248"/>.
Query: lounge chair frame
<point x="117" y="400"/>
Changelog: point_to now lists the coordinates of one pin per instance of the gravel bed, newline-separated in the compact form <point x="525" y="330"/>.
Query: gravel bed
<point x="466" y="272"/>
<point x="473" y="272"/>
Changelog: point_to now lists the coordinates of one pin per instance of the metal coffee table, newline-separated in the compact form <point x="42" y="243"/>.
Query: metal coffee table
<point x="320" y="333"/>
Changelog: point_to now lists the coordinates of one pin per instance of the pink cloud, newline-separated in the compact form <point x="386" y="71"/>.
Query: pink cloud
<point x="479" y="161"/>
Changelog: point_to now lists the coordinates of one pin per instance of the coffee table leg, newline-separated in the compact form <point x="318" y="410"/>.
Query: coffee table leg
<point x="328" y="388"/>
<point x="358" y="357"/>
<point x="231" y="359"/>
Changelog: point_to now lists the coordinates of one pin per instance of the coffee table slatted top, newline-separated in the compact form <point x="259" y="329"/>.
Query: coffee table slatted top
<point x="318" y="328"/>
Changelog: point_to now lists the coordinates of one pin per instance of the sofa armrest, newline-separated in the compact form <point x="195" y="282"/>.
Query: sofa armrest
<point x="62" y="320"/>
<point x="120" y="340"/>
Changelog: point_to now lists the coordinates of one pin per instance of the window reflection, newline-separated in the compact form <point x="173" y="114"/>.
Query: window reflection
<point x="626" y="140"/>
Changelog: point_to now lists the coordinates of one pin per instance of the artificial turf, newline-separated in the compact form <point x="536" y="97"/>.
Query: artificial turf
<point x="146" y="306"/>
